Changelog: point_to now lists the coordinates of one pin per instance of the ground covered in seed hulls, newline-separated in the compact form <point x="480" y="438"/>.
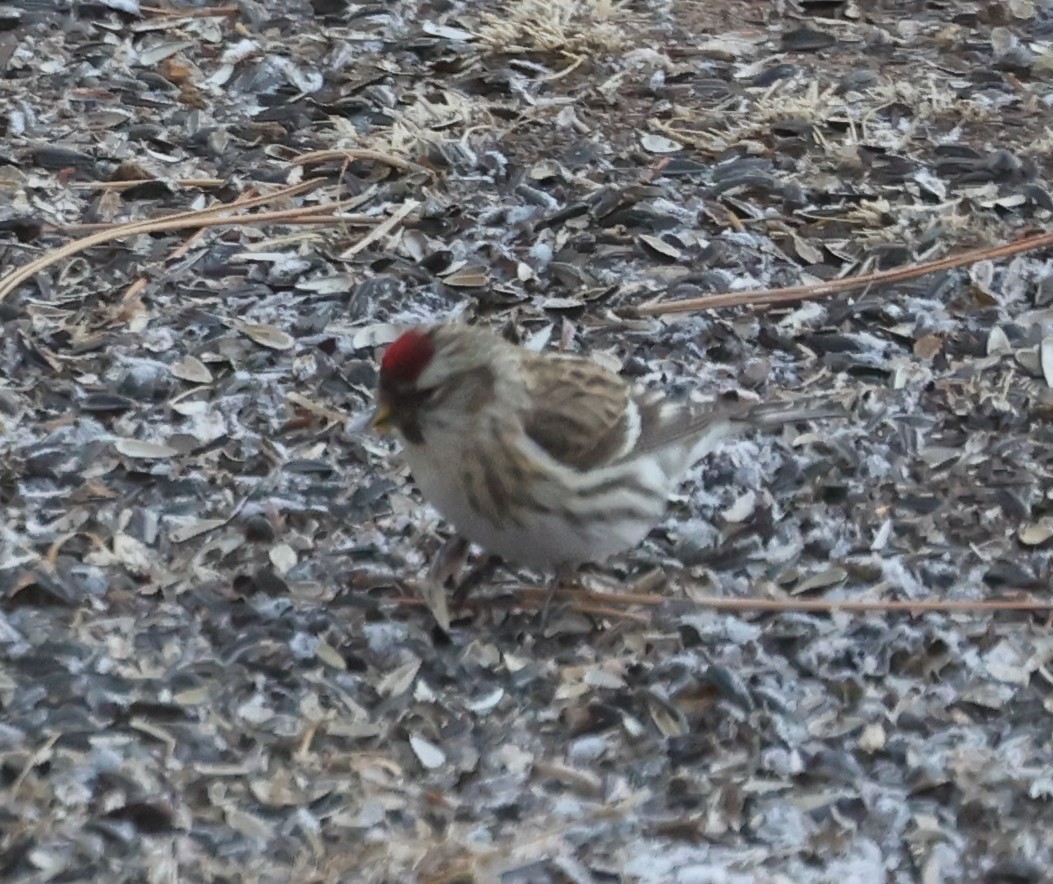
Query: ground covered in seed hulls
<point x="213" y="665"/>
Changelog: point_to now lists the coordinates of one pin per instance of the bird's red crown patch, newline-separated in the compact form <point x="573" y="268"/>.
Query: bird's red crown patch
<point x="407" y="357"/>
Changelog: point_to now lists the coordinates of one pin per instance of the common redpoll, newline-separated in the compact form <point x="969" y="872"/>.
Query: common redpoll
<point x="546" y="460"/>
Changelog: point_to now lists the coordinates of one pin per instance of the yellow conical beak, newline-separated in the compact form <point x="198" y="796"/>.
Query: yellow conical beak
<point x="381" y="420"/>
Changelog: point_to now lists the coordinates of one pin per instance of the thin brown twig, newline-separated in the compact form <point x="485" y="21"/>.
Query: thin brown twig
<point x="610" y="603"/>
<point x="310" y="215"/>
<point x="134" y="182"/>
<point x="579" y="607"/>
<point x="212" y="12"/>
<point x="358" y="153"/>
<point x="215" y="209"/>
<point x="382" y="229"/>
<point x="643" y="599"/>
<point x="189" y="242"/>
<point x="794" y="294"/>
<point x="39" y="755"/>
<point x="264" y="199"/>
<point x="718" y="603"/>
<point x="131" y="294"/>
<point x="210" y="217"/>
<point x="832" y="606"/>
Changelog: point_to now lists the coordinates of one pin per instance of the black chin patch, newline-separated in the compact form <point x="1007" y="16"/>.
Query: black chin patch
<point x="406" y="402"/>
<point x="411" y="431"/>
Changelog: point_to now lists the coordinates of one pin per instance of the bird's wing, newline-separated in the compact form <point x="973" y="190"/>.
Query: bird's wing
<point x="580" y="414"/>
<point x="586" y="417"/>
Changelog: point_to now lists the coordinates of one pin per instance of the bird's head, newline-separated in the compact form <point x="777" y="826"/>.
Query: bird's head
<point x="435" y="378"/>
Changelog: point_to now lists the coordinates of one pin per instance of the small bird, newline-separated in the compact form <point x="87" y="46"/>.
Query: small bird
<point x="546" y="460"/>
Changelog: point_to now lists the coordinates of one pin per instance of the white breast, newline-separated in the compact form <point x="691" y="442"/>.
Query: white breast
<point x="539" y="540"/>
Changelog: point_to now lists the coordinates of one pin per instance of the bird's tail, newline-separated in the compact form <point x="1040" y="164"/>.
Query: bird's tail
<point x="771" y="415"/>
<point x="728" y="419"/>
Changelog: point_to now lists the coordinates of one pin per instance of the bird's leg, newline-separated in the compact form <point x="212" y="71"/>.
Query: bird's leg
<point x="479" y="574"/>
<point x="448" y="561"/>
<point x="566" y="575"/>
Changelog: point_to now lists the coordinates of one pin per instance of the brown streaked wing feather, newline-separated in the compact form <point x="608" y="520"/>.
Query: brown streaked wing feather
<point x="578" y="412"/>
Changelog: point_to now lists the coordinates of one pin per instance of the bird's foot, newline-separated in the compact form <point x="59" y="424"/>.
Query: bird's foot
<point x="444" y="574"/>
<point x="446" y="565"/>
<point x="474" y="578"/>
<point x="449" y="560"/>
